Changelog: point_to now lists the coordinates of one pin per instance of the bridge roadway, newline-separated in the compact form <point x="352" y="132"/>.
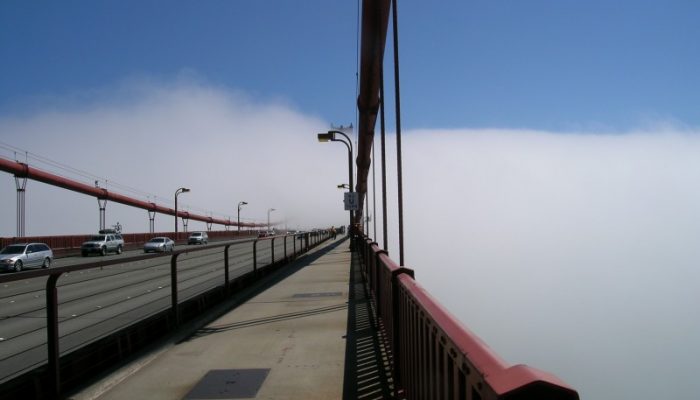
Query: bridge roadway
<point x="287" y="342"/>
<point x="96" y="302"/>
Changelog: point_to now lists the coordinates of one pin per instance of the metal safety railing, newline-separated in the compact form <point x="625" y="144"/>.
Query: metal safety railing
<point x="290" y="249"/>
<point x="433" y="355"/>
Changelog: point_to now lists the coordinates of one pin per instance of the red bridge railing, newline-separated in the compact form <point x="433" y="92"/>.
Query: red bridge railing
<point x="434" y="355"/>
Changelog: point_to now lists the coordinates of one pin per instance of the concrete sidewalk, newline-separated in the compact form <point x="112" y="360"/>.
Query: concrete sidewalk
<point x="287" y="342"/>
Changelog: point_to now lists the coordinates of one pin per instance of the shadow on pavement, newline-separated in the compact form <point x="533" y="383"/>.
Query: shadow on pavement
<point x="367" y="364"/>
<point x="245" y="294"/>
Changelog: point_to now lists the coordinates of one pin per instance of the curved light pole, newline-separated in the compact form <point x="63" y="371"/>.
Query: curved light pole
<point x="330" y="137"/>
<point x="240" y="204"/>
<point x="268" y="218"/>
<point x="178" y="192"/>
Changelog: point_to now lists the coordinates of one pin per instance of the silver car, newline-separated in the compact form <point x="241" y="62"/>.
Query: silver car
<point x="17" y="256"/>
<point x="162" y="244"/>
<point x="198" y="238"/>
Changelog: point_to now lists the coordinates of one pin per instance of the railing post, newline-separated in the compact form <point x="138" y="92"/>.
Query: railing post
<point x="255" y="257"/>
<point x="397" y="328"/>
<point x="285" y="247"/>
<point x="374" y="274"/>
<point x="52" y="336"/>
<point x="294" y="243"/>
<point x="173" y="289"/>
<point x="272" y="247"/>
<point x="365" y="249"/>
<point x="372" y="259"/>
<point x="226" y="276"/>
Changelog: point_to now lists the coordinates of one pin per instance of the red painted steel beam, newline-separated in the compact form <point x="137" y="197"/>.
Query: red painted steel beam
<point x="24" y="170"/>
<point x="375" y="19"/>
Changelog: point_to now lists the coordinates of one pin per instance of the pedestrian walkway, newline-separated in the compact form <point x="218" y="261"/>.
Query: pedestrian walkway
<point x="308" y="336"/>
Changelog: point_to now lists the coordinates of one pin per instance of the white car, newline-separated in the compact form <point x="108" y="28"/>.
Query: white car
<point x="17" y="256"/>
<point x="161" y="244"/>
<point x="198" y="238"/>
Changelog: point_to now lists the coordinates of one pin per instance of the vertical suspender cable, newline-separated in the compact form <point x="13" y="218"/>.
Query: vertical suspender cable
<point x="398" y="130"/>
<point x="374" y="191"/>
<point x="381" y="115"/>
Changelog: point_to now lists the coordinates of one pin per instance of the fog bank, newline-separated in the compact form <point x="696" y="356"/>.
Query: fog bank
<point x="574" y="253"/>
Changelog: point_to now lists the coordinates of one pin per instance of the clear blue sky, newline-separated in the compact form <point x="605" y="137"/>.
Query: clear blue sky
<point x="541" y="64"/>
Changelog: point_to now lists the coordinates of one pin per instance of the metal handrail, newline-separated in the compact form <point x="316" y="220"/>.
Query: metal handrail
<point x="53" y="274"/>
<point x="434" y="355"/>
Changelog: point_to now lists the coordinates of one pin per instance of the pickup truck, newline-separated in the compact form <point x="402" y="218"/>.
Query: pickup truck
<point x="102" y="244"/>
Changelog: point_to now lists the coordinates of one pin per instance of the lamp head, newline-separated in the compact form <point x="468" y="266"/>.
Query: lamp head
<point x="326" y="137"/>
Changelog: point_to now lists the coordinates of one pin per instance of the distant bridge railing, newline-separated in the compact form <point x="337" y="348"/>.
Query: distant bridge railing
<point x="434" y="356"/>
<point x="46" y="378"/>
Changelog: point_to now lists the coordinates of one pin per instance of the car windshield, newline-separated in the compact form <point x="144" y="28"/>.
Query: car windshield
<point x="157" y="240"/>
<point x="98" y="238"/>
<point x="13" y="249"/>
<point x="196" y="234"/>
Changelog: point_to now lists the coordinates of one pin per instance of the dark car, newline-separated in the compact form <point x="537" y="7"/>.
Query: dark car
<point x="17" y="256"/>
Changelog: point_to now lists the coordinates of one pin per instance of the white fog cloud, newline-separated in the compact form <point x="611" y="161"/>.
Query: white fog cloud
<point x="223" y="145"/>
<point x="574" y="253"/>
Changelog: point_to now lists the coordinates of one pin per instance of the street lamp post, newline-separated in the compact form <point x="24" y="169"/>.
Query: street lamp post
<point x="330" y="137"/>
<point x="177" y="192"/>
<point x="268" y="218"/>
<point x="240" y="204"/>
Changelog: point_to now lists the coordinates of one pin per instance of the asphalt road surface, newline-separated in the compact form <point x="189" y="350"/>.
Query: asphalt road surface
<point x="96" y="302"/>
